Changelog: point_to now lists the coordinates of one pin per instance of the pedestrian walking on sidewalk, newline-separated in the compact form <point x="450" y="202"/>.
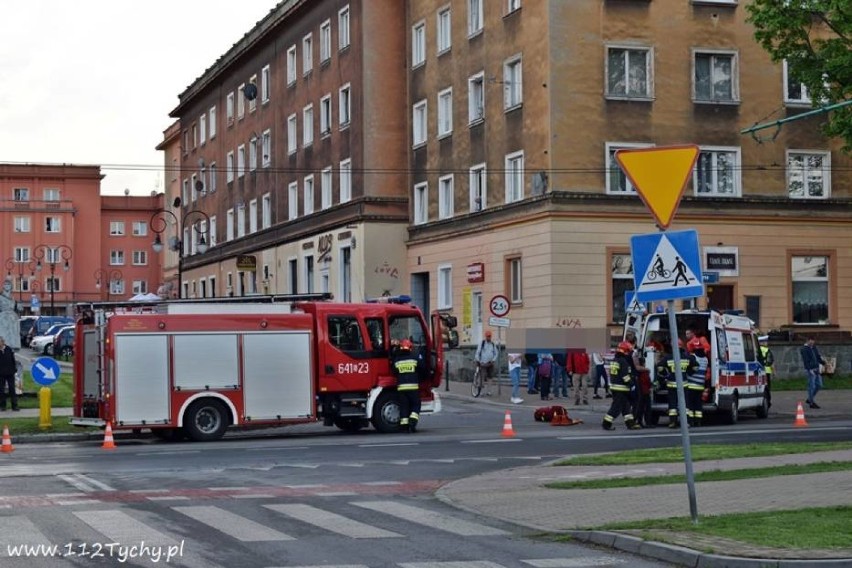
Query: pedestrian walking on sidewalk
<point x="545" y="373"/>
<point x="486" y="360"/>
<point x="579" y="366"/>
<point x="812" y="359"/>
<point x="515" y="376"/>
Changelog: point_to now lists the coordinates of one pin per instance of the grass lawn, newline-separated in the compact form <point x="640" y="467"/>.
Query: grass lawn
<point x="61" y="392"/>
<point x="834" y="382"/>
<point x="19" y="426"/>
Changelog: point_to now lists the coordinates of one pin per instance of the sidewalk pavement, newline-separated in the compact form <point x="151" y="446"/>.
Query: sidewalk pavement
<point x="519" y="495"/>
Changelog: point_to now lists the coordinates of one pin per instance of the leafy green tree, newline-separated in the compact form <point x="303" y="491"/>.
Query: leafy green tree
<point x="815" y="37"/>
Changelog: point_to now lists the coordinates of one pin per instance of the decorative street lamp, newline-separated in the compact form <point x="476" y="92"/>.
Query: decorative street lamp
<point x="110" y="276"/>
<point x="52" y="255"/>
<point x="19" y="266"/>
<point x="159" y="222"/>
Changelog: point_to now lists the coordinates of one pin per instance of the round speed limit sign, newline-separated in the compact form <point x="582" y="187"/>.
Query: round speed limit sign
<point x="499" y="306"/>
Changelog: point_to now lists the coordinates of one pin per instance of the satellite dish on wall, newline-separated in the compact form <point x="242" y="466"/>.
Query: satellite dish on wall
<point x="539" y="183"/>
<point x="250" y="91"/>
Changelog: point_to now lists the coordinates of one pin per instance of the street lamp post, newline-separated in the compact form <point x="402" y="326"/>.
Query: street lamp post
<point x="159" y="222"/>
<point x="13" y="264"/>
<point x="110" y="276"/>
<point x="52" y="255"/>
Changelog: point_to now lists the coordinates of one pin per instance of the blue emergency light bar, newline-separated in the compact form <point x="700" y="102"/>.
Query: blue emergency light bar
<point x="401" y="299"/>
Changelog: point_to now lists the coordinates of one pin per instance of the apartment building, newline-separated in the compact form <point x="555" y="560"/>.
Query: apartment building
<point x="53" y="256"/>
<point x="517" y="108"/>
<point x="292" y="157"/>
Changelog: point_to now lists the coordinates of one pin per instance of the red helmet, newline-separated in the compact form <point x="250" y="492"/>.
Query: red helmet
<point x="625" y="347"/>
<point x="405" y="344"/>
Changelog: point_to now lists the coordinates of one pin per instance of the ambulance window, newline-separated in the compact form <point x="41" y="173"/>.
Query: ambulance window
<point x="376" y="332"/>
<point x="344" y="333"/>
<point x="407" y="327"/>
<point x="748" y="343"/>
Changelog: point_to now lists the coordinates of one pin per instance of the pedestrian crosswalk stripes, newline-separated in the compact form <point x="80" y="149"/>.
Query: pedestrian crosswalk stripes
<point x="430" y="518"/>
<point x="120" y="526"/>
<point x="332" y="521"/>
<point x="233" y="525"/>
<point x="19" y="528"/>
<point x="580" y="562"/>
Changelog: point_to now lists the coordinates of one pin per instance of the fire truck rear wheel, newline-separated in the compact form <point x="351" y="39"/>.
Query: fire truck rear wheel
<point x="206" y="420"/>
<point x="386" y="413"/>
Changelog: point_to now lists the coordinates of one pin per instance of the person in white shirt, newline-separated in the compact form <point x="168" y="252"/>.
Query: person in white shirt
<point x="486" y="360"/>
<point x="515" y="375"/>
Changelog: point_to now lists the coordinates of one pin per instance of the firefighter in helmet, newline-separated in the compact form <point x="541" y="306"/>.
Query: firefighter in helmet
<point x="621" y="377"/>
<point x="688" y="364"/>
<point x="407" y="370"/>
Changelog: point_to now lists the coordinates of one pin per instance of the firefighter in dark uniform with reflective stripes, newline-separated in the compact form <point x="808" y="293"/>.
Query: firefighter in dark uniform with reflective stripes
<point x="694" y="386"/>
<point x="620" y="379"/>
<point x="407" y="369"/>
<point x="687" y="363"/>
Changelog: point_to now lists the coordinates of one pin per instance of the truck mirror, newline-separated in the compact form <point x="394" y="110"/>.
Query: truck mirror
<point x="451" y="338"/>
<point x="451" y="321"/>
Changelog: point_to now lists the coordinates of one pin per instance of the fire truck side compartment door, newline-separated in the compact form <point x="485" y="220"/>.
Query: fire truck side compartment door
<point x="141" y="379"/>
<point x="205" y="360"/>
<point x="278" y="377"/>
<point x="91" y="377"/>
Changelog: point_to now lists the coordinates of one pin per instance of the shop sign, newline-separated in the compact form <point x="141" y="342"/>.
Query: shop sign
<point x="476" y="272"/>
<point x="247" y="262"/>
<point x="324" y="246"/>
<point x="723" y="260"/>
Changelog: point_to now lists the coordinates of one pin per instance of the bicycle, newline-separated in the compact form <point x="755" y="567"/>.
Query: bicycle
<point x="477" y="383"/>
<point x="656" y="272"/>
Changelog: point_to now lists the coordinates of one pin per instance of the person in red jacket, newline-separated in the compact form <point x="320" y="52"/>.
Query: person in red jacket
<point x="579" y="365"/>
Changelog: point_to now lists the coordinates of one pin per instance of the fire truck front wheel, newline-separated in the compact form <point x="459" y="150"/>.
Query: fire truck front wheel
<point x="386" y="413"/>
<point x="206" y="420"/>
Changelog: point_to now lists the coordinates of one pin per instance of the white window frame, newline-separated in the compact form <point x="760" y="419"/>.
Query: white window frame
<point x="293" y="200"/>
<point x="140" y="287"/>
<point x="139" y="229"/>
<point x="241" y="160"/>
<point x="252" y="104"/>
<point x="252" y="216"/>
<point x="325" y="41"/>
<point x="292" y="134"/>
<point x="512" y="6"/>
<point x="229" y="225"/>
<point x="421" y="203"/>
<point x="446" y="196"/>
<point x="343" y="38"/>
<point x="241" y="101"/>
<point x="475" y="17"/>
<point x="140" y="258"/>
<point x="800" y="274"/>
<point x="513" y="82"/>
<point x="476" y="98"/>
<point x="211" y="232"/>
<point x="292" y="60"/>
<point x="252" y="155"/>
<point x="735" y="82"/>
<point x="515" y="177"/>
<point x="265" y="84"/>
<point x="325" y="115"/>
<point x="326" y="188"/>
<point x="614" y="169"/>
<point x="193" y="184"/>
<point x="229" y="108"/>
<point x="116" y="258"/>
<point x="346" y="180"/>
<point x="22" y="254"/>
<point x="445" y="112"/>
<point x="418" y="44"/>
<point x="116" y="228"/>
<point x="515" y="279"/>
<point x="229" y="167"/>
<point x="212" y="115"/>
<point x="266" y="148"/>
<point x="344" y="105"/>
<point x="478" y="181"/>
<point x="714" y="171"/>
<point x="52" y="224"/>
<point x="419" y="123"/>
<point x="266" y="211"/>
<point x="308" y="196"/>
<point x="51" y="194"/>
<point x="21" y="194"/>
<point x="213" y="175"/>
<point x="824" y="169"/>
<point x="804" y="98"/>
<point x="307" y="54"/>
<point x="241" y="220"/>
<point x="308" y="125"/>
<point x="202" y="128"/>
<point x="22" y="224"/>
<point x="444" y="29"/>
<point x="624" y="65"/>
<point x="445" y="286"/>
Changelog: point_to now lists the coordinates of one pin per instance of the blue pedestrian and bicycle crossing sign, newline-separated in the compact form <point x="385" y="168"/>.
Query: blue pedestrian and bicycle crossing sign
<point x="45" y="371"/>
<point x="667" y="265"/>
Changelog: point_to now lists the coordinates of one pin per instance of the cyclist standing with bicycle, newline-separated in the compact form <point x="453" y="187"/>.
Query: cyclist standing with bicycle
<point x="486" y="360"/>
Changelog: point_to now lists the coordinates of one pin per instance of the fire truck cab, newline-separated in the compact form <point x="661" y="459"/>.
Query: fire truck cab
<point x="198" y="368"/>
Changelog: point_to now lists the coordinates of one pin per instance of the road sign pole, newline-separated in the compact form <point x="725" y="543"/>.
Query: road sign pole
<point x="681" y="409"/>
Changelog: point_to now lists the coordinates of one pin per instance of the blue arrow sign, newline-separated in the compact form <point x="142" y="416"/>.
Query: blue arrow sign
<point x="666" y="266"/>
<point x="45" y="371"/>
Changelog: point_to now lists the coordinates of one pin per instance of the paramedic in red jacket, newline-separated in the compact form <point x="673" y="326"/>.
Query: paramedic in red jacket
<point x="578" y="365"/>
<point x="621" y="377"/>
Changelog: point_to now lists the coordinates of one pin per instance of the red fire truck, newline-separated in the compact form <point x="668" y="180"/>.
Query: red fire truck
<point x="196" y="368"/>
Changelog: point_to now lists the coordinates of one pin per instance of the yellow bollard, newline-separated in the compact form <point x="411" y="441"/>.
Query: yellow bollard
<point x="44" y="418"/>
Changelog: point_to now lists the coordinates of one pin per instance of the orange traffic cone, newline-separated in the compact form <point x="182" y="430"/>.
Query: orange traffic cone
<point x="7" y="447"/>
<point x="800" y="416"/>
<point x="108" y="444"/>
<point x="508" y="432"/>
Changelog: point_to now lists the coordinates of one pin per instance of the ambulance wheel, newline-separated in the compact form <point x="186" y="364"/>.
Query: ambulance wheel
<point x="350" y="424"/>
<point x="734" y="410"/>
<point x="386" y="413"/>
<point x="206" y="420"/>
<point x="763" y="409"/>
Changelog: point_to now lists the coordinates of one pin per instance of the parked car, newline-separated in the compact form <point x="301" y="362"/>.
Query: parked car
<point x="63" y="343"/>
<point x="41" y="343"/>
<point x="43" y="323"/>
<point x="26" y="323"/>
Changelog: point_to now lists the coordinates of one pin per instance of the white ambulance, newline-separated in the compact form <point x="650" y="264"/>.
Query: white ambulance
<point x="736" y="379"/>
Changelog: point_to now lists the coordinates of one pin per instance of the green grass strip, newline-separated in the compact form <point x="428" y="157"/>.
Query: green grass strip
<point x="703" y="476"/>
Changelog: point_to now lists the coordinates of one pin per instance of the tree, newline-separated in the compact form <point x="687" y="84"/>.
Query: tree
<point x="815" y="38"/>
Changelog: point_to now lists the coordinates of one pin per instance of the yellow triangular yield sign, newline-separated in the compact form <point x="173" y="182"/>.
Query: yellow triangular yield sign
<point x="659" y="175"/>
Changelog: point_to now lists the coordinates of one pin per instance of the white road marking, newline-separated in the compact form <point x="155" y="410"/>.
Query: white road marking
<point x="20" y="530"/>
<point x="574" y="562"/>
<point x="429" y="518"/>
<point x="463" y="564"/>
<point x="496" y="441"/>
<point x="118" y="526"/>
<point x="331" y="521"/>
<point x="235" y="526"/>
<point x="167" y="498"/>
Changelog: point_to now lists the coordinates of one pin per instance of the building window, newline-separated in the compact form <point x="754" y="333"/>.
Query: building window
<point x="21" y="194"/>
<point x="810" y="289"/>
<point x="241" y="160"/>
<point x="795" y="93"/>
<point x="116" y="287"/>
<point x="445" y="287"/>
<point x="628" y="72"/>
<point x="308" y="125"/>
<point x="253" y="102"/>
<point x="140" y="287"/>
<point x="325" y="41"/>
<point x="309" y="195"/>
<point x="22" y="254"/>
<point x="345" y="181"/>
<point x="715" y="78"/>
<point x="808" y="175"/>
<point x="252" y="163"/>
<point x="512" y="5"/>
<point x="193" y="187"/>
<point x="616" y="180"/>
<point x="445" y="30"/>
<point x="213" y="175"/>
<point x="445" y="112"/>
<point x="116" y="257"/>
<point x="241" y="220"/>
<point x="421" y="203"/>
<point x="139" y="229"/>
<point x="292" y="143"/>
<point x="293" y="199"/>
<point x="346" y="274"/>
<point x="229" y="226"/>
<point x="513" y="87"/>
<point x="307" y="54"/>
<point x="514" y="280"/>
<point x="418" y="44"/>
<point x="419" y="123"/>
<point x="478" y="188"/>
<point x="116" y="228"/>
<point x="266" y="148"/>
<point x="265" y="84"/>
<point x="325" y="115"/>
<point x="229" y="167"/>
<point x="514" y="177"/>
<point x="291" y="65"/>
<point x="343" y="28"/>
<point x="345" y="105"/>
<point x="474" y="17"/>
<point x="252" y="216"/>
<point x="266" y="211"/>
<point x="212" y="231"/>
<point x="717" y="172"/>
<point x="445" y="197"/>
<point x="229" y="108"/>
<point x="22" y="224"/>
<point x="51" y="194"/>
<point x="476" y="98"/>
<point x="241" y="101"/>
<point x="140" y="257"/>
<point x="293" y="275"/>
<point x="52" y="285"/>
<point x="621" y="275"/>
<point x="325" y="188"/>
<point x="309" y="274"/>
<point x="212" y="114"/>
<point x="202" y="128"/>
